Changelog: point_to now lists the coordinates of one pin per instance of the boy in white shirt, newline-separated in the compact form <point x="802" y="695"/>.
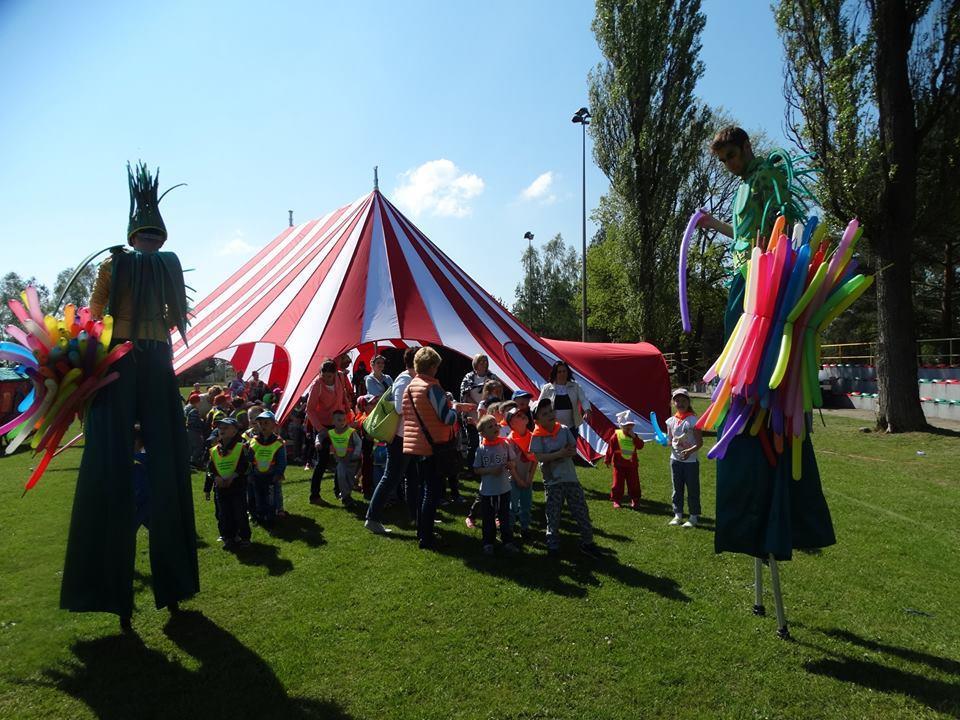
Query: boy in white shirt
<point x="685" y="439"/>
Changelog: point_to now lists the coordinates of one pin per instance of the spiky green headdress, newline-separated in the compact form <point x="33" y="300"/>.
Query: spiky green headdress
<point x="144" y="203"/>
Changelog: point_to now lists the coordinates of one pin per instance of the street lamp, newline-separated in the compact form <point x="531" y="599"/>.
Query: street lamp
<point x="529" y="237"/>
<point x="582" y="116"/>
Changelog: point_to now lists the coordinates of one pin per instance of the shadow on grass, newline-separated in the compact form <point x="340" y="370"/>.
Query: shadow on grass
<point x="939" y="695"/>
<point x="570" y="574"/>
<point x="267" y="556"/>
<point x="942" y="432"/>
<point x="119" y="677"/>
<point x="298" y="528"/>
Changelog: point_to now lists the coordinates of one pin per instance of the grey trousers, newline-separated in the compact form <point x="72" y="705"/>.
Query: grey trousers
<point x="572" y="493"/>
<point x="345" y="473"/>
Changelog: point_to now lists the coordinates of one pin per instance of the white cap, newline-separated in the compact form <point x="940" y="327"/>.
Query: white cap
<point x="625" y="418"/>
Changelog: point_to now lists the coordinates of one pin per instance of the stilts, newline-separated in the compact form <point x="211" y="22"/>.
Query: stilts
<point x="758" y="609"/>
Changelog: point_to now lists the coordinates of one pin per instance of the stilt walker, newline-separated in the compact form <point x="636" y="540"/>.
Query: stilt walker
<point x="143" y="290"/>
<point x="784" y="290"/>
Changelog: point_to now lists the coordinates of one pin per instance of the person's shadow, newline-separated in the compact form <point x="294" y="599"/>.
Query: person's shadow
<point x="854" y="667"/>
<point x="118" y="677"/>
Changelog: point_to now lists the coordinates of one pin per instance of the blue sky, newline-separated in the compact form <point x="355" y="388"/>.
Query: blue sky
<point x="464" y="106"/>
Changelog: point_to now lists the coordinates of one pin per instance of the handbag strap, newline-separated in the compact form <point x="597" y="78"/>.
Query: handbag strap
<point x="420" y="419"/>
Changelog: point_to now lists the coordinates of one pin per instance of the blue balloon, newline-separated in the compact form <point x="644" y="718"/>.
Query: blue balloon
<point x="657" y="432"/>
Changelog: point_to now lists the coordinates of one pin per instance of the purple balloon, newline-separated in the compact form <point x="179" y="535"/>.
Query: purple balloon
<point x="682" y="269"/>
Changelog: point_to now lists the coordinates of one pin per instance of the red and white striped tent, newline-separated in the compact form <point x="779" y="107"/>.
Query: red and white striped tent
<point x="364" y="273"/>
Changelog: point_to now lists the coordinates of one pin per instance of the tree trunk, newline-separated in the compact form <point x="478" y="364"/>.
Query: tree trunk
<point x="946" y="299"/>
<point x="899" y="408"/>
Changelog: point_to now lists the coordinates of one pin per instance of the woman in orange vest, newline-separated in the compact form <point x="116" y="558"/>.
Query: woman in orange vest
<point x="428" y="417"/>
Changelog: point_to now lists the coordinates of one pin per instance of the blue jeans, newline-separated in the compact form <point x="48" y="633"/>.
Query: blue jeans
<point x="521" y="499"/>
<point x="393" y="474"/>
<point x="685" y="475"/>
<point x="431" y="488"/>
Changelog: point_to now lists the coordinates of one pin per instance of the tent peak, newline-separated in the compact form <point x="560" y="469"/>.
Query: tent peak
<point x="376" y="180"/>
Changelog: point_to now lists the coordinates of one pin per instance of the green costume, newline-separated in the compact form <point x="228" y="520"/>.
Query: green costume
<point x="146" y="293"/>
<point x="761" y="510"/>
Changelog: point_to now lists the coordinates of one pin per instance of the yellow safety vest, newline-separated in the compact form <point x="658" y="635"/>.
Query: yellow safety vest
<point x="264" y="454"/>
<point x="226" y="464"/>
<point x="340" y="441"/>
<point x="214" y="415"/>
<point x="627" y="447"/>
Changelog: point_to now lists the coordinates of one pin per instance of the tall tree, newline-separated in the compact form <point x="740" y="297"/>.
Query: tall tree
<point x="552" y="284"/>
<point x="647" y="129"/>
<point x="79" y="292"/>
<point x="11" y="285"/>
<point x="866" y="84"/>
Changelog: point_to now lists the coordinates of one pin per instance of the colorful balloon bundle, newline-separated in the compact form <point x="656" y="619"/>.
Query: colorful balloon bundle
<point x="67" y="359"/>
<point x="769" y="369"/>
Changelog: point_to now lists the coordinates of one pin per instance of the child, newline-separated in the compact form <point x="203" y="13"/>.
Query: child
<point x="554" y="446"/>
<point x="227" y="475"/>
<point x="268" y="457"/>
<point x="685" y="440"/>
<point x="622" y="448"/>
<point x="195" y="434"/>
<point x="346" y="446"/>
<point x="502" y="411"/>
<point x="521" y="482"/>
<point x="493" y="460"/>
<point x="522" y="398"/>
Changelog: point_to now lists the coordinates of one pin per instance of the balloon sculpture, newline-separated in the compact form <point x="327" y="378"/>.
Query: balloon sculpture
<point x="68" y="359"/>
<point x="769" y="370"/>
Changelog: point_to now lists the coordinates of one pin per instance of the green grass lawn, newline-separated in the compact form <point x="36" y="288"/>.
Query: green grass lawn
<point x="323" y="619"/>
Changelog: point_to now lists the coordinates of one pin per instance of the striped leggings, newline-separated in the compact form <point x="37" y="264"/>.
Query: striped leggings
<point x="572" y="493"/>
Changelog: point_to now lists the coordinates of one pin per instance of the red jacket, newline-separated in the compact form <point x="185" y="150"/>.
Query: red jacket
<point x="615" y="455"/>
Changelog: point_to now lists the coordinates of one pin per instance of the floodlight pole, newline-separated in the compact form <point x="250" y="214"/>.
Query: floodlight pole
<point x="582" y="116"/>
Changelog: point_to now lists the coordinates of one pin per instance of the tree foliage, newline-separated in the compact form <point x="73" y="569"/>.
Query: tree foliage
<point x="549" y="295"/>
<point x="648" y="131"/>
<point x="871" y="87"/>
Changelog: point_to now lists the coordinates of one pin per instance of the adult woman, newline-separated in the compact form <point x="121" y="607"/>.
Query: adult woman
<point x="568" y="398"/>
<point x="428" y="416"/>
<point x="143" y="290"/>
<point x="471" y="391"/>
<point x="378" y="381"/>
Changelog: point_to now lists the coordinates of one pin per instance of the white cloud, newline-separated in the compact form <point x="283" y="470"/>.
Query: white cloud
<point x="236" y="246"/>
<point x="540" y="189"/>
<point x="438" y="187"/>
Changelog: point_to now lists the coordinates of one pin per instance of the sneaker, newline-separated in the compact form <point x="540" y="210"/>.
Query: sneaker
<point x="589" y="549"/>
<point x="616" y="505"/>
<point x="376" y="528"/>
<point x="307" y="468"/>
<point x="692" y="522"/>
<point x="470" y="523"/>
<point x="677" y="520"/>
<point x="511" y="548"/>
<point x="634" y="504"/>
<point x="488" y="549"/>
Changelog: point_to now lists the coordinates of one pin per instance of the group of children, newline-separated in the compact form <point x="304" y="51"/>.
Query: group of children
<point x="246" y="460"/>
<point x="245" y="472"/>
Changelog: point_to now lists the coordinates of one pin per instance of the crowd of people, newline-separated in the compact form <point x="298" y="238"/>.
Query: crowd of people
<point x="501" y="438"/>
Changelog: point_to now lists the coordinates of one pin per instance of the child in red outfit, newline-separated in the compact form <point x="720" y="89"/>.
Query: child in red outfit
<point x="622" y="448"/>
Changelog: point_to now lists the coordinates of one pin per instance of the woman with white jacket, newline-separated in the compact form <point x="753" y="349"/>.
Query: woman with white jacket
<point x="568" y="398"/>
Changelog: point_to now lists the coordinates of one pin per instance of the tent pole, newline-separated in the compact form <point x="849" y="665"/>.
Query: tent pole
<point x="758" y="608"/>
<point x="782" y="629"/>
